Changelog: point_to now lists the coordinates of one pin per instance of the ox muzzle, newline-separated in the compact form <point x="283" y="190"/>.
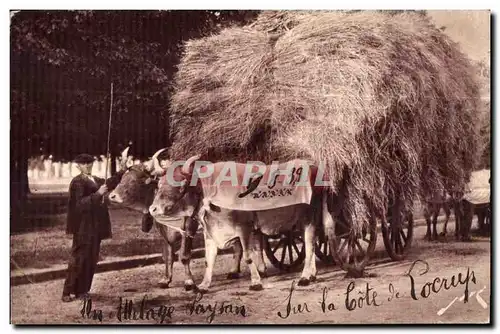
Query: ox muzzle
<point x="115" y="198"/>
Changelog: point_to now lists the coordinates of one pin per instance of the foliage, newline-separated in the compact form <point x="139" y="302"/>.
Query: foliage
<point x="62" y="65"/>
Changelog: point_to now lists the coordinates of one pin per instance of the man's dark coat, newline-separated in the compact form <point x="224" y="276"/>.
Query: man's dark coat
<point x="87" y="214"/>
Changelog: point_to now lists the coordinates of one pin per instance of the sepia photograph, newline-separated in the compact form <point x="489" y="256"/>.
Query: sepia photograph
<point x="248" y="167"/>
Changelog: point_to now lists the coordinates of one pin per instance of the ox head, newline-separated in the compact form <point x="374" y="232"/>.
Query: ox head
<point x="137" y="184"/>
<point x="173" y="200"/>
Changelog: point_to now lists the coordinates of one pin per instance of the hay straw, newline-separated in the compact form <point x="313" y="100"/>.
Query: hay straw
<point x="386" y="100"/>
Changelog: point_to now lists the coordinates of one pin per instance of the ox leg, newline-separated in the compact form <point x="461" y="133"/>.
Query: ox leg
<point x="168" y="257"/>
<point x="481" y="216"/>
<point x="307" y="273"/>
<point x="317" y="217"/>
<point x="190" y="226"/>
<point x="427" y="216"/>
<point x="466" y="222"/>
<point x="434" y="223"/>
<point x="459" y="217"/>
<point x="250" y="238"/>
<point x="237" y="255"/>
<point x="447" y="211"/>
<point x="258" y="246"/>
<point x="210" y="256"/>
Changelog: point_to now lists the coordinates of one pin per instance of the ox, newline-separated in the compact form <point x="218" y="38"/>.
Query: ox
<point x="136" y="191"/>
<point x="223" y="225"/>
<point x="432" y="208"/>
<point x="463" y="208"/>
<point x="475" y="202"/>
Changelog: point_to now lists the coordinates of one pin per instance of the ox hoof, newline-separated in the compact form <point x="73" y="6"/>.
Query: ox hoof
<point x="262" y="274"/>
<point x="233" y="275"/>
<point x="200" y="290"/>
<point x="163" y="284"/>
<point x="355" y="273"/>
<point x="303" y="282"/>
<point x="189" y="287"/>
<point x="312" y="278"/>
<point x="256" y="287"/>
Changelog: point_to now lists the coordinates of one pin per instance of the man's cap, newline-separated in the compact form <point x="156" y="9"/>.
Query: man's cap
<point x="84" y="158"/>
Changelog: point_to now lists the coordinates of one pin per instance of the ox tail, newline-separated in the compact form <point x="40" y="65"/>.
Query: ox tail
<point x="326" y="217"/>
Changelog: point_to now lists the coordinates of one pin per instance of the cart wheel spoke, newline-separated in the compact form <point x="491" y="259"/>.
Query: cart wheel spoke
<point x="283" y="253"/>
<point x="348" y="256"/>
<point x="393" y="239"/>
<point x="403" y="235"/>
<point x="353" y="251"/>
<point x="277" y="246"/>
<point x="398" y="237"/>
<point x="400" y="245"/>
<point x="343" y="245"/>
<point x="287" y="243"/>
<point x="296" y="248"/>
<point x="298" y="240"/>
<point x="290" y="253"/>
<point x="360" y="247"/>
<point x="322" y="250"/>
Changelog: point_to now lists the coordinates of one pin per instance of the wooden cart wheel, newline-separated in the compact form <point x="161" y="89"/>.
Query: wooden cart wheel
<point x="398" y="236"/>
<point x="322" y="249"/>
<point x="352" y="250"/>
<point x="286" y="251"/>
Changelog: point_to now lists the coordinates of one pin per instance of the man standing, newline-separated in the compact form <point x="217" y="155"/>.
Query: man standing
<point x="88" y="221"/>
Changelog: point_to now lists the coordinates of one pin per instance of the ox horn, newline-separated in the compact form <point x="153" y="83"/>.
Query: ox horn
<point x="123" y="158"/>
<point x="156" y="163"/>
<point x="185" y="168"/>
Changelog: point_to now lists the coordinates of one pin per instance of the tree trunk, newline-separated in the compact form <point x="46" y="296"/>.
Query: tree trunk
<point x="19" y="187"/>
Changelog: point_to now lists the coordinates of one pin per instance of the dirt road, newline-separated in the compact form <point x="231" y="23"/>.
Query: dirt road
<point x="394" y="293"/>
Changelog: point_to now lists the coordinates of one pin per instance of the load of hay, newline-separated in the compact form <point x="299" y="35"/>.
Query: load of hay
<point x="385" y="100"/>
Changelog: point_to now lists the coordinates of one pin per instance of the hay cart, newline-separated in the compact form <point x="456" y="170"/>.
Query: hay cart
<point x="366" y="92"/>
<point x="286" y="250"/>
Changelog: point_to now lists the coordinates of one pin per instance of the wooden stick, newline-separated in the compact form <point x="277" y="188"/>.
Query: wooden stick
<point x="109" y="133"/>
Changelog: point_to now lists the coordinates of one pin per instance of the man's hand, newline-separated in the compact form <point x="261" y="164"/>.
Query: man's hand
<point x="102" y="190"/>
